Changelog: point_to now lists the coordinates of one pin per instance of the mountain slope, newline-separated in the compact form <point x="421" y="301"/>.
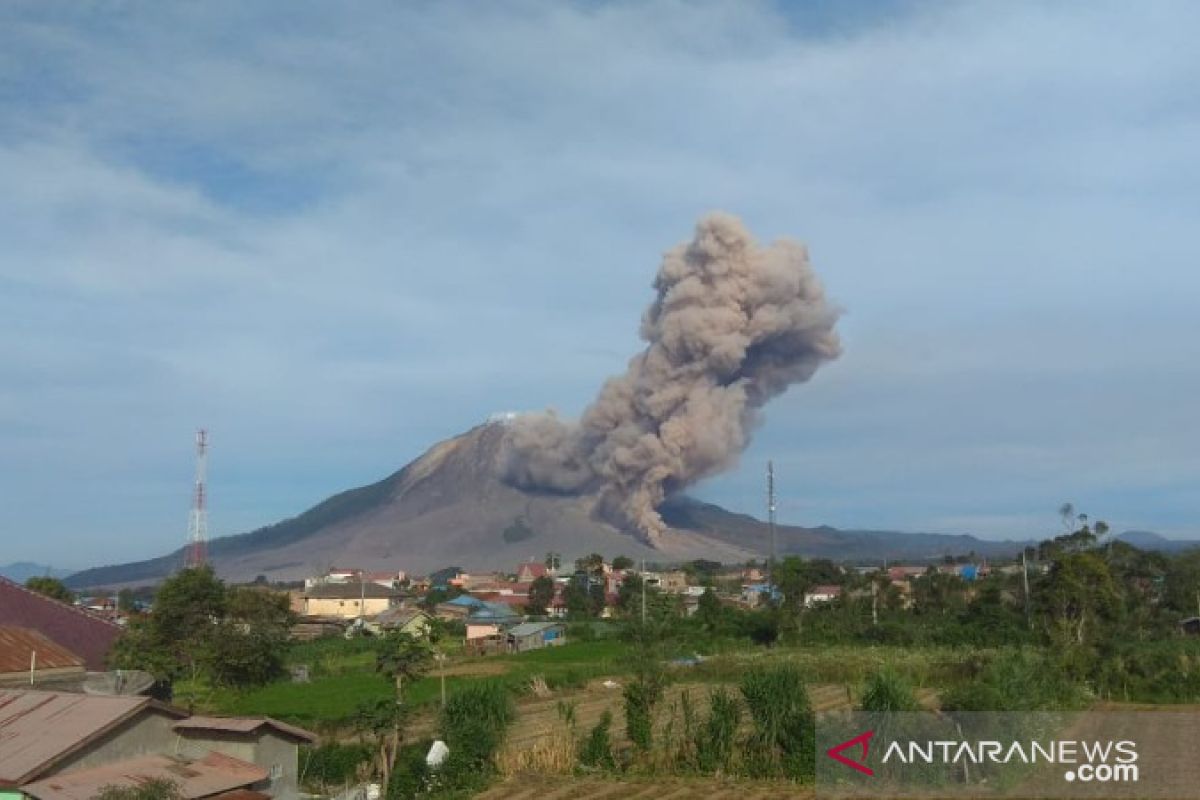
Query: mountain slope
<point x="450" y="507"/>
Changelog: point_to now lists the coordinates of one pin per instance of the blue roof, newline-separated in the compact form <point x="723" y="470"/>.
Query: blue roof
<point x="494" y="611"/>
<point x="466" y="600"/>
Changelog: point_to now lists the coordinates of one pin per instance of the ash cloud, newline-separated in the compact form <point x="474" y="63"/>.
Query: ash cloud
<point x="733" y="325"/>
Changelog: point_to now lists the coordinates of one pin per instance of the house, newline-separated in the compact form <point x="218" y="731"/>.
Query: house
<point x="822" y="594"/>
<point x="44" y="734"/>
<point x="412" y="621"/>
<point x="81" y="632"/>
<point x="28" y="658"/>
<point x="349" y="600"/>
<point x="531" y="571"/>
<point x="457" y="607"/>
<point x="63" y="746"/>
<point x="388" y="580"/>
<point x="674" y="582"/>
<point x="212" y="775"/>
<point x="267" y="743"/>
<point x="536" y="635"/>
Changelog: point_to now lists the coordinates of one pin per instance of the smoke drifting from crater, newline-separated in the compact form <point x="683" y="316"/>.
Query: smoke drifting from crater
<point x="733" y="325"/>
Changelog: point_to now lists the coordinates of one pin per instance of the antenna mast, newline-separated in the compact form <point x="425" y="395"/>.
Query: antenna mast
<point x="771" y="523"/>
<point x="198" y="521"/>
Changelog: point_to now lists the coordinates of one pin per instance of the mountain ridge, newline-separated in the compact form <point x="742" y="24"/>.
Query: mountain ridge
<point x="450" y="506"/>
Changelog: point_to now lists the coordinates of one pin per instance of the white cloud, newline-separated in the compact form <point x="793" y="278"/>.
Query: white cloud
<point x="335" y="236"/>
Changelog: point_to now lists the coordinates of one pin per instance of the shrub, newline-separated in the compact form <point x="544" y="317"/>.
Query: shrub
<point x="715" y="740"/>
<point x="333" y="764"/>
<point x="596" y="749"/>
<point x="473" y="725"/>
<point x="783" y="740"/>
<point x="888" y="692"/>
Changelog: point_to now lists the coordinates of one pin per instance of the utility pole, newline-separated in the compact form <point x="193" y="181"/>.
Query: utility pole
<point x="771" y="526"/>
<point x="874" y="602"/>
<point x="198" y="521"/>
<point x="643" y="592"/>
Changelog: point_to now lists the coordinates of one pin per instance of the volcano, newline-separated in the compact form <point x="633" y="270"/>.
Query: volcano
<point x="452" y="507"/>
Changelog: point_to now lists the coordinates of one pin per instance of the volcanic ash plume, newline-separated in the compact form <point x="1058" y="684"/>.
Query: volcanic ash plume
<point x="733" y="325"/>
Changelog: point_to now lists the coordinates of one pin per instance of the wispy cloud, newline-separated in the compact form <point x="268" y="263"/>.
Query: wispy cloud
<point x="335" y="236"/>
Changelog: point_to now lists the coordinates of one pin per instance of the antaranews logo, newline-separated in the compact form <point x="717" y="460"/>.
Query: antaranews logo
<point x="1086" y="761"/>
<point x="862" y="740"/>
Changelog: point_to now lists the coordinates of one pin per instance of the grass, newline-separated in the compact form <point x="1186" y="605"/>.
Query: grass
<point x="343" y="678"/>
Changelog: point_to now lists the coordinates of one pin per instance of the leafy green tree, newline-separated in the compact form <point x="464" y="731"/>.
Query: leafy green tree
<point x="591" y="564"/>
<point x="1076" y="596"/>
<point x="709" y="612"/>
<point x="622" y="562"/>
<point x="50" y="587"/>
<point x="126" y="600"/>
<point x="404" y="659"/>
<point x="541" y="595"/>
<point x="793" y="578"/>
<point x="175" y="640"/>
<point x="578" y="601"/>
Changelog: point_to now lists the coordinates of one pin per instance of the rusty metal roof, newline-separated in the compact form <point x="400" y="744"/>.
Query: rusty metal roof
<point x="243" y="725"/>
<point x="39" y="729"/>
<point x="17" y="645"/>
<point x="214" y="774"/>
<point x="80" y="631"/>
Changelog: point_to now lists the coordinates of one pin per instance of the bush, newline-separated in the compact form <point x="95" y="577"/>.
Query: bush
<point x="715" y="740"/>
<point x="473" y="725"/>
<point x="888" y="692"/>
<point x="1016" y="680"/>
<point x="333" y="764"/>
<point x="784" y="737"/>
<point x="596" y="749"/>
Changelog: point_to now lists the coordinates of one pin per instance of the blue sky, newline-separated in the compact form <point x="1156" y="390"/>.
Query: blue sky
<point x="336" y="235"/>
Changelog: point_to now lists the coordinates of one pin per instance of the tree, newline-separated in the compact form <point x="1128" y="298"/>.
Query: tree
<point x="50" y="587"/>
<point x="126" y="600"/>
<point x="709" y="611"/>
<point x="579" y="603"/>
<point x="541" y="595"/>
<point x="402" y="658"/>
<point x="553" y="561"/>
<point x="793" y="579"/>
<point x="1076" y="594"/>
<point x="591" y="564"/>
<point x="175" y="640"/>
<point x="622" y="562"/>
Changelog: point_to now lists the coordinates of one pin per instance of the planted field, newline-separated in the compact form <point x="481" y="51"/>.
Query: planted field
<point x="572" y="788"/>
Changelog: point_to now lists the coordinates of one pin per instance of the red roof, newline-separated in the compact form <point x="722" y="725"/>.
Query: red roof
<point x="533" y="568"/>
<point x="82" y="632"/>
<point x="204" y="777"/>
<point x="17" y="645"/>
<point x="40" y="729"/>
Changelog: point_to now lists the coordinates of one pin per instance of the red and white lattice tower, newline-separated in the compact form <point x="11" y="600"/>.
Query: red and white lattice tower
<point x="198" y="521"/>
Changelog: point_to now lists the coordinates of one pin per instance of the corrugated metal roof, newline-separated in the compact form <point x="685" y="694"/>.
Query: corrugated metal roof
<point x="213" y="774"/>
<point x="17" y="644"/>
<point x="38" y="729"/>
<point x="243" y="725"/>
<point x="532" y="628"/>
<point x="351" y="591"/>
<point x="80" y="631"/>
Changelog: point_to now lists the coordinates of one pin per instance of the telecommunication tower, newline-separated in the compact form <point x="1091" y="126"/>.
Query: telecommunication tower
<point x="198" y="521"/>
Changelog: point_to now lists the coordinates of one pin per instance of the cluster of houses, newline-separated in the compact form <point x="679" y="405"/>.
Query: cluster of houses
<point x="64" y="735"/>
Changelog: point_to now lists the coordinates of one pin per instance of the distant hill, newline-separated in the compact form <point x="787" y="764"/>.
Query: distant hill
<point x="450" y="507"/>
<point x="1148" y="540"/>
<point x="21" y="571"/>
